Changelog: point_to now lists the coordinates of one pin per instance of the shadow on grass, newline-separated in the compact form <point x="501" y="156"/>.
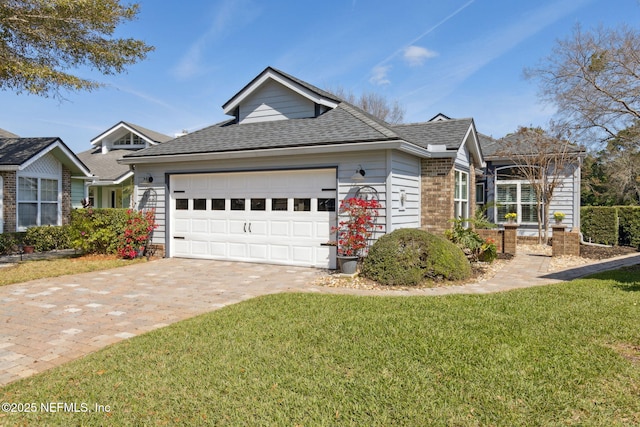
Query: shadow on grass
<point x="623" y="270"/>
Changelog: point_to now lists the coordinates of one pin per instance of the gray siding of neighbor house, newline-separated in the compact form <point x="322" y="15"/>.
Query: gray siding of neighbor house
<point x="374" y="163"/>
<point x="275" y="102"/>
<point x="566" y="199"/>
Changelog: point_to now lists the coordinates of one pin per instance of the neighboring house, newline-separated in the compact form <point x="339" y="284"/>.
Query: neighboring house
<point x="264" y="186"/>
<point x="112" y="184"/>
<point x="504" y="188"/>
<point x="36" y="176"/>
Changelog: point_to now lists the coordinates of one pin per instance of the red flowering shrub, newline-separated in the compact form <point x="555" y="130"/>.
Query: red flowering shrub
<point x="353" y="233"/>
<point x="137" y="232"/>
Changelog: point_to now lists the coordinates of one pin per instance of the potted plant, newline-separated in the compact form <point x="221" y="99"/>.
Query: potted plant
<point x="558" y="216"/>
<point x="354" y="231"/>
<point x="511" y="217"/>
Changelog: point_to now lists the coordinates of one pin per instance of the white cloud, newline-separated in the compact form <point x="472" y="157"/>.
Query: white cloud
<point x="379" y="75"/>
<point x="416" y="55"/>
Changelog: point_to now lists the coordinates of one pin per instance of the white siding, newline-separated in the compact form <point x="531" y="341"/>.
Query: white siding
<point x="373" y="163"/>
<point x="273" y="101"/>
<point x="463" y="158"/>
<point x="405" y="179"/>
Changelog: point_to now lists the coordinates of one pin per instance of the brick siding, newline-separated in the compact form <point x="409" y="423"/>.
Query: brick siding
<point x="437" y="194"/>
<point x="9" y="201"/>
<point x="565" y="243"/>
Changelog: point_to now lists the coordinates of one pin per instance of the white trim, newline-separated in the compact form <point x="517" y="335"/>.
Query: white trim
<point x="237" y="99"/>
<point x="98" y="139"/>
<point x="65" y="151"/>
<point x="270" y="152"/>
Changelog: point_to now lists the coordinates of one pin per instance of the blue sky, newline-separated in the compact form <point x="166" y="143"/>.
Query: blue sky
<point x="463" y="58"/>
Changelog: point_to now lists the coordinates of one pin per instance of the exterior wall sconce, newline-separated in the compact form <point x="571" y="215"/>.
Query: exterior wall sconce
<point x="359" y="174"/>
<point x="148" y="179"/>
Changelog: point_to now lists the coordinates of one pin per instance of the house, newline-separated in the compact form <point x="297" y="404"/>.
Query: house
<point x="503" y="186"/>
<point x="112" y="184"/>
<point x="36" y="180"/>
<point x="263" y="186"/>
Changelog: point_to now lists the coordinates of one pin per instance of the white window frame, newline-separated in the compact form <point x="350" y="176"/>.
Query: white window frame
<point x="38" y="201"/>
<point x="499" y="218"/>
<point x="129" y="140"/>
<point x="460" y="199"/>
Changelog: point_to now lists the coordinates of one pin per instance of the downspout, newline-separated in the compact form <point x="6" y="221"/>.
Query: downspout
<point x="598" y="245"/>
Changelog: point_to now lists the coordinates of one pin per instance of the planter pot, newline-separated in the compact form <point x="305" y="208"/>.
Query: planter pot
<point x="27" y="249"/>
<point x="348" y="264"/>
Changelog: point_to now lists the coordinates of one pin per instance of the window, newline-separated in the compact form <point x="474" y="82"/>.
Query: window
<point x="461" y="194"/>
<point x="129" y="139"/>
<point x="37" y="202"/>
<point x="217" y="204"/>
<point x="237" y="204"/>
<point x="182" y="204"/>
<point x="301" y="205"/>
<point x="279" y="204"/>
<point x="199" y="204"/>
<point x="258" y="204"/>
<point x="515" y="194"/>
<point x="326" y="205"/>
<point x="480" y="193"/>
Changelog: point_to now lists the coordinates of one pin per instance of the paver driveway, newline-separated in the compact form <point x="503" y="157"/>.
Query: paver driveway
<point x="48" y="322"/>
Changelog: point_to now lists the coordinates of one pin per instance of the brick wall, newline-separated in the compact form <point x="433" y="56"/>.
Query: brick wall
<point x="66" y="196"/>
<point x="9" y="201"/>
<point x="472" y="190"/>
<point x="565" y="243"/>
<point x="510" y="242"/>
<point x="437" y="194"/>
<point x="493" y="233"/>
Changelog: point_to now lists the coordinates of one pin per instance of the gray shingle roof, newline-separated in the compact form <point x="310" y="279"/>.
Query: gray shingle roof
<point x="516" y="143"/>
<point x="105" y="166"/>
<point x="449" y="133"/>
<point x="7" y="134"/>
<point x="344" y="124"/>
<point x="16" y="151"/>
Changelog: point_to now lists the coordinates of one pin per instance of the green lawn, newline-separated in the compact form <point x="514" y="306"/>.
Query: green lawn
<point x="559" y="355"/>
<point x="32" y="270"/>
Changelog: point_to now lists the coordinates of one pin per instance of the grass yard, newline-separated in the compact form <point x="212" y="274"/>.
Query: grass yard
<point x="559" y="355"/>
<point x="32" y="270"/>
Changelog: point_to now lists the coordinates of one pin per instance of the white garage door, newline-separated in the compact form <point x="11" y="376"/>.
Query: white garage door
<point x="278" y="217"/>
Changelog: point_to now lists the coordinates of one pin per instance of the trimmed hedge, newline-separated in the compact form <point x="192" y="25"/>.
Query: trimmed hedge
<point x="611" y="225"/>
<point x="48" y="237"/>
<point x="599" y="224"/>
<point x="408" y="256"/>
<point x="98" y="230"/>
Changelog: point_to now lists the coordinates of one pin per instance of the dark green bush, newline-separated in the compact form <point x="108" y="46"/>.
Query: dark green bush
<point x="629" y="226"/>
<point x="8" y="243"/>
<point x="409" y="256"/>
<point x="599" y="224"/>
<point x="97" y="230"/>
<point x="48" y="237"/>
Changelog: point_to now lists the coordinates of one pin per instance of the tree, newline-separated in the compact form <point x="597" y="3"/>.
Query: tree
<point x="373" y="103"/>
<point x="622" y="165"/>
<point x="593" y="78"/>
<point x="542" y="160"/>
<point x="41" y="40"/>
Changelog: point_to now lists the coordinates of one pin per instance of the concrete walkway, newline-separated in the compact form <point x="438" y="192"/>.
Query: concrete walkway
<point x="49" y="322"/>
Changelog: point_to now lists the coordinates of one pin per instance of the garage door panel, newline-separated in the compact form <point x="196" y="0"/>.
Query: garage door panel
<point x="258" y="252"/>
<point x="237" y="227"/>
<point x="280" y="253"/>
<point x="199" y="247"/>
<point x="302" y="229"/>
<point x="279" y="228"/>
<point x="302" y="254"/>
<point x="182" y="225"/>
<point x="199" y="226"/>
<point x="218" y="249"/>
<point x="218" y="226"/>
<point x="237" y="250"/>
<point x="258" y="228"/>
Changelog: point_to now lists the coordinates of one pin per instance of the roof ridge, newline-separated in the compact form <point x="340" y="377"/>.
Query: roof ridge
<point x="368" y="119"/>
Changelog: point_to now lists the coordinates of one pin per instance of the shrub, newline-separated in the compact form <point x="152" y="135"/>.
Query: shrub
<point x="409" y="256"/>
<point x="629" y="226"/>
<point x="8" y="243"/>
<point x="599" y="224"/>
<point x="48" y="237"/>
<point x="98" y="230"/>
<point x="473" y="246"/>
<point x="138" y="229"/>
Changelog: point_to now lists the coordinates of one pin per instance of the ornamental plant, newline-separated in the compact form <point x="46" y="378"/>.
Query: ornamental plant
<point x="137" y="231"/>
<point x="558" y="216"/>
<point x="511" y="216"/>
<point x="354" y="231"/>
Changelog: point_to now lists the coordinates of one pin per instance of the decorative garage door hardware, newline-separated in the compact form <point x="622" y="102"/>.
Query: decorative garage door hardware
<point x="245" y="227"/>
